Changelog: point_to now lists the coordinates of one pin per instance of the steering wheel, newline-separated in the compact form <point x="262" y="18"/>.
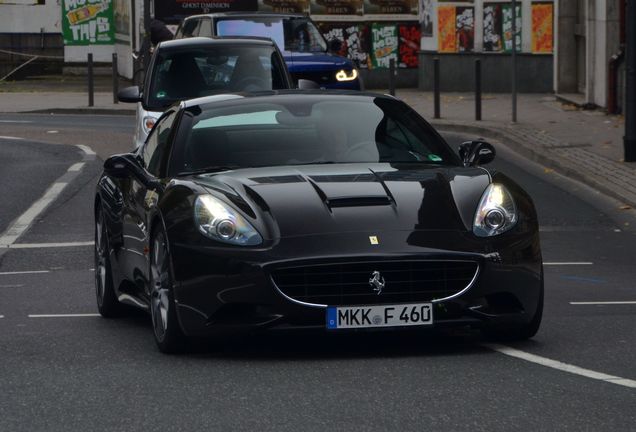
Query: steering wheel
<point x="251" y="81"/>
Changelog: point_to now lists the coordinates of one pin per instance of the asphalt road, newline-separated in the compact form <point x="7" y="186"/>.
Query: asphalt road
<point x="82" y="372"/>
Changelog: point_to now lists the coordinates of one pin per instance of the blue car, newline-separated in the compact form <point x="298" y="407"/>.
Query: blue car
<point x="305" y="50"/>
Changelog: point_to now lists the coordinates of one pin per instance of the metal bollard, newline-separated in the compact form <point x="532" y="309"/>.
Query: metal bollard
<point x="392" y="77"/>
<point x="477" y="89"/>
<point x="436" y="87"/>
<point x="91" y="84"/>
<point x="115" y="79"/>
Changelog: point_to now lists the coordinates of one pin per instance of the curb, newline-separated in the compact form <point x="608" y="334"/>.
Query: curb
<point x="558" y="159"/>
<point x="82" y="111"/>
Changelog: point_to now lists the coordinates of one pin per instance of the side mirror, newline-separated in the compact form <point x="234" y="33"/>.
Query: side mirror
<point x="475" y="153"/>
<point x="334" y="45"/>
<point x="129" y="94"/>
<point x="127" y="165"/>
<point x="304" y="84"/>
<point x="120" y="166"/>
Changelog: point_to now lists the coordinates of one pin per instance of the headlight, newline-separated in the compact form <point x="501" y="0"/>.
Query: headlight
<point x="148" y="122"/>
<point x="219" y="221"/>
<point x="344" y="75"/>
<point x="496" y="212"/>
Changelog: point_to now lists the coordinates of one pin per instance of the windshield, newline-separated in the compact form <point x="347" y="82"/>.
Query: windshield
<point x="192" y="73"/>
<point x="290" y="34"/>
<point x="294" y="130"/>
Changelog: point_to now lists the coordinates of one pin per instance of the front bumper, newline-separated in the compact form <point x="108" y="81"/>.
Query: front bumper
<point x="221" y="290"/>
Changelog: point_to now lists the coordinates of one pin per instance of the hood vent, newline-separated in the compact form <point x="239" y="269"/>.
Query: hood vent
<point x="362" y="201"/>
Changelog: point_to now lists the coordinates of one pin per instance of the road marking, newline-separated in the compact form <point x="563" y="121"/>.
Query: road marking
<point x="65" y="315"/>
<point x="24" y="222"/>
<point x="45" y="245"/>
<point x="16" y="121"/>
<point x="19" y="226"/>
<point x="1" y="316"/>
<point x="11" y="138"/>
<point x="12" y="286"/>
<point x="604" y="303"/>
<point x="572" y="263"/>
<point x="23" y="272"/>
<point x="565" y="367"/>
<point x="86" y="149"/>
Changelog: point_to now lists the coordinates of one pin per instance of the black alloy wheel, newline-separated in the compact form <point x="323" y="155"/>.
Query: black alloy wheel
<point x="166" y="329"/>
<point x="107" y="303"/>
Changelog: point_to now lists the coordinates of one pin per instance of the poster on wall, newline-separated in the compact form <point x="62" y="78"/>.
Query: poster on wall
<point x="506" y="12"/>
<point x="384" y="44"/>
<point x="121" y="14"/>
<point x="426" y="17"/>
<point x="446" y="24"/>
<point x="88" y="24"/>
<point x="542" y="33"/>
<point x="409" y="45"/>
<point x="391" y="7"/>
<point x="172" y="11"/>
<point x="337" y="7"/>
<point x="465" y="29"/>
<point x="284" y="6"/>
<point x="493" y="38"/>
<point x="354" y="40"/>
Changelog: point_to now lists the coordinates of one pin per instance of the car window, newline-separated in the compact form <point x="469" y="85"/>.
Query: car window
<point x="311" y="130"/>
<point x="157" y="146"/>
<point x="291" y="34"/>
<point x="189" y="28"/>
<point x="196" y="72"/>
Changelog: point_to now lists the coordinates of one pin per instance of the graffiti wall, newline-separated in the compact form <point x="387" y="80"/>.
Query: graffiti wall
<point x="354" y="40"/>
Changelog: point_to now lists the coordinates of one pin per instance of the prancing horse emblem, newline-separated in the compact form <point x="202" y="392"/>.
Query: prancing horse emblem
<point x="377" y="282"/>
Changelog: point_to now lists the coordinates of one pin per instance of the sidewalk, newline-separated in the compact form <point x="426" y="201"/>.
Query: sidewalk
<point x="585" y="145"/>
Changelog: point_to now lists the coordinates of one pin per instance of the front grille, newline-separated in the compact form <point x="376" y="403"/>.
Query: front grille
<point x="320" y="77"/>
<point x="342" y="284"/>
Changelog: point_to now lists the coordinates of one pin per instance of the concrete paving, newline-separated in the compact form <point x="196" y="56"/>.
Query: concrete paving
<point x="583" y="144"/>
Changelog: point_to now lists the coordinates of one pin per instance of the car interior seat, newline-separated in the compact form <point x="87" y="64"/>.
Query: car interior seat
<point x="184" y="79"/>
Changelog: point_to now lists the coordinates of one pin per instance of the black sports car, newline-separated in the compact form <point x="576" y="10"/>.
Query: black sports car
<point x="331" y="210"/>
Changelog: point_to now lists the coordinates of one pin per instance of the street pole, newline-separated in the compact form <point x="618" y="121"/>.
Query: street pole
<point x="514" y="61"/>
<point x="629" y="140"/>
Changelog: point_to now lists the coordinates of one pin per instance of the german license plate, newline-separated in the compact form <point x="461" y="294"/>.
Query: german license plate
<point x="397" y="315"/>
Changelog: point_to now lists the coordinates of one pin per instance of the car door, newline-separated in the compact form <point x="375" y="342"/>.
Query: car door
<point x="140" y="198"/>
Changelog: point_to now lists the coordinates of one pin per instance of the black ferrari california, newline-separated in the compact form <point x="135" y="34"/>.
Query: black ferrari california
<point x="331" y="210"/>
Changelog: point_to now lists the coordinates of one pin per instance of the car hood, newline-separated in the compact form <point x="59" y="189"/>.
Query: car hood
<point x="319" y="199"/>
<point x="315" y="61"/>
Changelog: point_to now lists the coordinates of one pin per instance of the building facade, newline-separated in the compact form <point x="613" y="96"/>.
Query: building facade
<point x="459" y="32"/>
<point x="589" y="64"/>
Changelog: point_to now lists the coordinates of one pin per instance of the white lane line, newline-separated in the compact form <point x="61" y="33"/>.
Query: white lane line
<point x="45" y="245"/>
<point x="565" y="367"/>
<point x="569" y="263"/>
<point x="16" y="121"/>
<point x="12" y="286"/>
<point x="76" y="167"/>
<point x="11" y="138"/>
<point x="24" y="222"/>
<point x="64" y="315"/>
<point x="86" y="149"/>
<point x="604" y="303"/>
<point x="1" y="316"/>
<point x="23" y="272"/>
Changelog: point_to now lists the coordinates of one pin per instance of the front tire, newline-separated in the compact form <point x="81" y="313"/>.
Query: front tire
<point x="107" y="303"/>
<point x="165" y="325"/>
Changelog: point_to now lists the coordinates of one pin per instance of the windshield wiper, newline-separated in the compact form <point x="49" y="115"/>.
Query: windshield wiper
<point x="210" y="169"/>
